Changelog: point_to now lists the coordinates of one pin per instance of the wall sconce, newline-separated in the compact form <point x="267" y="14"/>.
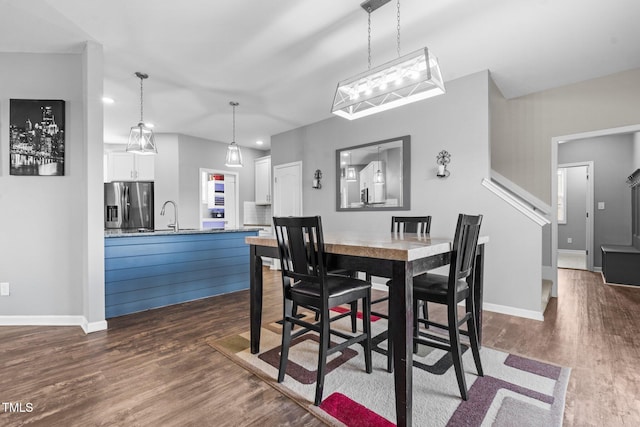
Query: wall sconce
<point x="317" y="176"/>
<point x="443" y="160"/>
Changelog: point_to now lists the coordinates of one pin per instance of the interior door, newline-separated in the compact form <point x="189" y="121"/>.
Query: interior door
<point x="287" y="193"/>
<point x="287" y="189"/>
<point x="575" y="225"/>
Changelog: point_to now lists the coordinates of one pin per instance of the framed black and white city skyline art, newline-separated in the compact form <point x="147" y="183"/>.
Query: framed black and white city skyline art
<point x="36" y="137"/>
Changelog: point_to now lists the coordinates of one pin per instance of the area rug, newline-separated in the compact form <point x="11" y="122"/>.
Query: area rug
<point x="514" y="390"/>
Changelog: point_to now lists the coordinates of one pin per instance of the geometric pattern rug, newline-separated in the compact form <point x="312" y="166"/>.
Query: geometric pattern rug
<point x="515" y="391"/>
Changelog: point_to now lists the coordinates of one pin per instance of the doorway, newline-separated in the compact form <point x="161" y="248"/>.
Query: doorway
<point x="218" y="201"/>
<point x="555" y="143"/>
<point x="575" y="216"/>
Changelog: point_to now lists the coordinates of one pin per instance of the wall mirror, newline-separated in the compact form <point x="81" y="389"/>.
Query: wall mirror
<point x="374" y="176"/>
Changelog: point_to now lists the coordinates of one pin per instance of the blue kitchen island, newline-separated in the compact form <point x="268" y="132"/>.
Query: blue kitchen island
<point x="155" y="269"/>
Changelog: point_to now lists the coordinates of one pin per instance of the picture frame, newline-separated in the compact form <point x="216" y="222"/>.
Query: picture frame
<point x="36" y="137"/>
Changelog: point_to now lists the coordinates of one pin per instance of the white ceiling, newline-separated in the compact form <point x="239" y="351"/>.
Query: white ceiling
<point x="281" y="59"/>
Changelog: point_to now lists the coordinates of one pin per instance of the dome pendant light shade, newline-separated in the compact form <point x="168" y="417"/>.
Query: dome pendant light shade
<point x="141" y="139"/>
<point x="234" y="155"/>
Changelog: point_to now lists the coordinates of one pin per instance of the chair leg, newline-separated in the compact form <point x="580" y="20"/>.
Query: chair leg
<point x="366" y="327"/>
<point x="456" y="350"/>
<point x="416" y="324"/>
<point x="322" y="357"/>
<point x="354" y="316"/>
<point x="425" y="313"/>
<point x="473" y="336"/>
<point x="286" y="339"/>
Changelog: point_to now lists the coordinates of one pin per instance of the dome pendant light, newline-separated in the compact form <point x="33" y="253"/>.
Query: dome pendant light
<point x="234" y="155"/>
<point x="141" y="139"/>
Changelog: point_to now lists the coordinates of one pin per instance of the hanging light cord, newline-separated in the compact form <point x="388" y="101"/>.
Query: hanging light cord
<point x="369" y="35"/>
<point x="141" y="110"/>
<point x="234" y="104"/>
<point x="398" y="28"/>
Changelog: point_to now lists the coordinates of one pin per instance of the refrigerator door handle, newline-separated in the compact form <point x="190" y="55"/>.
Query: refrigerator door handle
<point x="126" y="203"/>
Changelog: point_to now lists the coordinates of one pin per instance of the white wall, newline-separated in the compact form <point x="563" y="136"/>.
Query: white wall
<point x="167" y="179"/>
<point x="636" y="150"/>
<point x="44" y="226"/>
<point x="459" y="123"/>
<point x="521" y="149"/>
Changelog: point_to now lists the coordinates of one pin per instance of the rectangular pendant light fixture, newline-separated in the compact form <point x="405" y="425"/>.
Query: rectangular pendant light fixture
<point x="407" y="79"/>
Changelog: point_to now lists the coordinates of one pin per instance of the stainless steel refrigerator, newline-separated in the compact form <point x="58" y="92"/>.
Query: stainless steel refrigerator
<point x="128" y="205"/>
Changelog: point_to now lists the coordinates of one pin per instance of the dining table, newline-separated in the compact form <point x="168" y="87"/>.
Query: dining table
<point x="395" y="255"/>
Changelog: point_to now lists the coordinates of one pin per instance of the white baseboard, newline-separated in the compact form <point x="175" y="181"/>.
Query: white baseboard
<point x="53" y="321"/>
<point x="597" y="269"/>
<point x="89" y="327"/>
<point x="512" y="311"/>
<point x="572" y="251"/>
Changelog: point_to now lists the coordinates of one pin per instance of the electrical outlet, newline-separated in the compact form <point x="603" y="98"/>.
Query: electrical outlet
<point x="4" y="289"/>
<point x="601" y="206"/>
<point x="569" y="240"/>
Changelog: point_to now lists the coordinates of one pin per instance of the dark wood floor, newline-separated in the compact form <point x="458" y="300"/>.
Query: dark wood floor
<point x="155" y="368"/>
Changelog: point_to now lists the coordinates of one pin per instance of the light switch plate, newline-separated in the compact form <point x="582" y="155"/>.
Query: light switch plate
<point x="4" y="289"/>
<point x="601" y="206"/>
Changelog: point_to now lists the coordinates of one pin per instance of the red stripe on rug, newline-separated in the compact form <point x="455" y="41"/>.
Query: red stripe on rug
<point x="352" y="413"/>
<point x="359" y="315"/>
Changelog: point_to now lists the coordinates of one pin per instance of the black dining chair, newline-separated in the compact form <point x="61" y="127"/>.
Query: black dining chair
<point x="450" y="290"/>
<point x="401" y="224"/>
<point x="307" y="284"/>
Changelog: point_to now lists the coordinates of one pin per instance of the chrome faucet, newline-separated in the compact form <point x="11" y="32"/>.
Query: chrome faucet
<point x="175" y="210"/>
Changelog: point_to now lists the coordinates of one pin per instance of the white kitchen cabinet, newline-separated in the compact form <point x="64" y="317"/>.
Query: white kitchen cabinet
<point x="123" y="166"/>
<point x="263" y="180"/>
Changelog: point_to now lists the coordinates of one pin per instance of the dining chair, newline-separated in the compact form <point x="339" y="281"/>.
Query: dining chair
<point x="400" y="224"/>
<point x="411" y="224"/>
<point x="307" y="284"/>
<point x="450" y="290"/>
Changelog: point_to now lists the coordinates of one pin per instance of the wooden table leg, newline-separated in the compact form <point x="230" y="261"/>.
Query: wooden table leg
<point x="255" y="298"/>
<point x="401" y="319"/>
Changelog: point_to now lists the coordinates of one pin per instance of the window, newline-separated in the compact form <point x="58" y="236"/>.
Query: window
<point x="562" y="195"/>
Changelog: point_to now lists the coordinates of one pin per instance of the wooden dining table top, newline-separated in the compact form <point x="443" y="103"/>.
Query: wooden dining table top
<point x="388" y="245"/>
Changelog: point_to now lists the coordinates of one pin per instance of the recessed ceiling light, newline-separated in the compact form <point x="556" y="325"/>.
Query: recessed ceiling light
<point x="107" y="100"/>
<point x="259" y="142"/>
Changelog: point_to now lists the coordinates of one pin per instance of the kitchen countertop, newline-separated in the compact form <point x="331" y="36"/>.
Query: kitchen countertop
<point x="127" y="233"/>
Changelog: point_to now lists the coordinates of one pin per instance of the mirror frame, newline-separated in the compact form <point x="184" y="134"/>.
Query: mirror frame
<point x="406" y="176"/>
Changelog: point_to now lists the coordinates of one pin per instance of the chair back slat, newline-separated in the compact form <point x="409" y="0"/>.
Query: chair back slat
<point x="301" y="248"/>
<point x="465" y="243"/>
<point x="411" y="224"/>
